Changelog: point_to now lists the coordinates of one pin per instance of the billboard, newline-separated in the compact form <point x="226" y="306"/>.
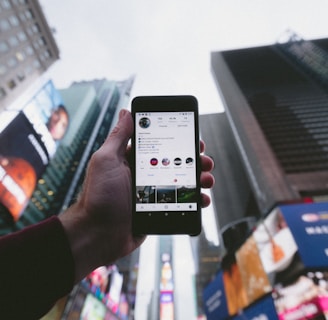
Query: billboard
<point x="214" y="298"/>
<point x="166" y="303"/>
<point x="304" y="298"/>
<point x="279" y="272"/>
<point x="27" y="143"/>
<point x="308" y="224"/>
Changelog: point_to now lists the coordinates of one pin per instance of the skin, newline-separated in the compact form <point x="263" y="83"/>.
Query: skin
<point x="98" y="225"/>
<point x="58" y="124"/>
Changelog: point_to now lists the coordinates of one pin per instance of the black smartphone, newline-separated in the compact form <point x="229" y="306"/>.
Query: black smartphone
<point x="166" y="170"/>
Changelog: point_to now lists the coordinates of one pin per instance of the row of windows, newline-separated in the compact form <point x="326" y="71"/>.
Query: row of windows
<point x="20" y="76"/>
<point x="14" y="40"/>
<point x="5" y="4"/>
<point x="12" y="21"/>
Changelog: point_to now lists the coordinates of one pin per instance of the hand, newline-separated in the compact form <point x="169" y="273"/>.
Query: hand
<point x="99" y="224"/>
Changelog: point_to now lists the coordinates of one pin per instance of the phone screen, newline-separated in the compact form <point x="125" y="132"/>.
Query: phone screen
<point x="165" y="161"/>
<point x="166" y="196"/>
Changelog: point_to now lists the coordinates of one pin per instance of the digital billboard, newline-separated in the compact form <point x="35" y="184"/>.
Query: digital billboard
<point x="27" y="143"/>
<point x="279" y="272"/>
<point x="215" y="303"/>
<point x="166" y="303"/>
<point x="304" y="298"/>
<point x="308" y="223"/>
<point x="253" y="276"/>
<point x="106" y="284"/>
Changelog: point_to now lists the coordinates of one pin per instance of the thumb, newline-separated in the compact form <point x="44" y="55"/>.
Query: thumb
<point x="122" y="132"/>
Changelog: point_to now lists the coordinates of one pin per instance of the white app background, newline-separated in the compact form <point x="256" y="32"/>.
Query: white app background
<point x="165" y="154"/>
<point x="165" y="160"/>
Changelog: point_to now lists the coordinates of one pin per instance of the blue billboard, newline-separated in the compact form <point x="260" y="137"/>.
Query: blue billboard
<point x="308" y="223"/>
<point x="214" y="298"/>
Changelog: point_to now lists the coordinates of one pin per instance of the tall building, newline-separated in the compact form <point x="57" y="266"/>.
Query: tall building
<point x="270" y="149"/>
<point x="93" y="109"/>
<point x="27" y="47"/>
<point x="275" y="101"/>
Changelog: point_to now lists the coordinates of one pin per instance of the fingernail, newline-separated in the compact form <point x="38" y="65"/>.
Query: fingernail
<point x="122" y="113"/>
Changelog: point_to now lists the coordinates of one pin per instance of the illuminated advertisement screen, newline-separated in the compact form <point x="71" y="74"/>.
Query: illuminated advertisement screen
<point x="214" y="298"/>
<point x="27" y="143"/>
<point x="166" y="301"/>
<point x="305" y="298"/>
<point x="308" y="223"/>
<point x="276" y="245"/>
<point x="253" y="275"/>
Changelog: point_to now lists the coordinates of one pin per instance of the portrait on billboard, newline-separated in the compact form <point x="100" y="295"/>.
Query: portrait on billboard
<point x="27" y="144"/>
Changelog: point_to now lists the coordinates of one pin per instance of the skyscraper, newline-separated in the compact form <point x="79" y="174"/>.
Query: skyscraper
<point x="276" y="104"/>
<point x="27" y="47"/>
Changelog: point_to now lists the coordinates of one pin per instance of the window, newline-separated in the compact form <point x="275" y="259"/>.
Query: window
<point x="3" y="69"/>
<point x="5" y="4"/>
<point x="21" y="36"/>
<point x="22" y="16"/>
<point x="29" y="50"/>
<point x="3" y="47"/>
<point x="12" y="62"/>
<point x="11" y="84"/>
<point x="20" y="56"/>
<point x="35" y="28"/>
<point x="13" y="41"/>
<point x="20" y="76"/>
<point x="29" y="14"/>
<point x="13" y="21"/>
<point x="4" y="25"/>
<point x="36" y="64"/>
<point x="2" y="93"/>
<point x="41" y="41"/>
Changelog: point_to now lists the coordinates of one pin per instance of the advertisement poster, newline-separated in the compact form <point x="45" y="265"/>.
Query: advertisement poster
<point x="93" y="309"/>
<point x="166" y="303"/>
<point x="305" y="298"/>
<point x="253" y="276"/>
<point x="214" y="298"/>
<point x="276" y="244"/>
<point x="234" y="287"/>
<point x="27" y="143"/>
<point x="308" y="223"/>
<point x="106" y="285"/>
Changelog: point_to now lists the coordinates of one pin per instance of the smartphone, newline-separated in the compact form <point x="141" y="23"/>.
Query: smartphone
<point x="166" y="170"/>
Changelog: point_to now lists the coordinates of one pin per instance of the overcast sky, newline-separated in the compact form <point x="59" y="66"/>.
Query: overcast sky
<point x="167" y="44"/>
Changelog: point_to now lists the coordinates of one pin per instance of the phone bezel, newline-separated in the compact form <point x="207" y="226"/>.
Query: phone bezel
<point x="170" y="222"/>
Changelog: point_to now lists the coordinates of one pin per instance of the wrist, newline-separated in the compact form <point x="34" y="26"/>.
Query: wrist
<point x="82" y="241"/>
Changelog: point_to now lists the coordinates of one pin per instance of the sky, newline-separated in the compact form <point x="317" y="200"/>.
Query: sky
<point x="167" y="44"/>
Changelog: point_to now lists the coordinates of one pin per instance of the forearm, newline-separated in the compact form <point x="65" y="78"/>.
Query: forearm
<point x="37" y="268"/>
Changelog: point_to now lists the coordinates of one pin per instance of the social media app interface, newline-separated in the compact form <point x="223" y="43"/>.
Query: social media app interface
<point x="165" y="161"/>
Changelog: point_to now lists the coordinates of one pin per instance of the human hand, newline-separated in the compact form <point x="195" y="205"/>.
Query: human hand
<point x="99" y="224"/>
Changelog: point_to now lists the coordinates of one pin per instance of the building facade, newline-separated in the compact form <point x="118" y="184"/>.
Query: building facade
<point x="27" y="47"/>
<point x="276" y="104"/>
